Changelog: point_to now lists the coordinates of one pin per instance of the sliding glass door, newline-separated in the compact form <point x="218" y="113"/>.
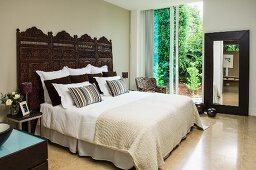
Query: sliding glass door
<point x="178" y="49"/>
<point x="161" y="60"/>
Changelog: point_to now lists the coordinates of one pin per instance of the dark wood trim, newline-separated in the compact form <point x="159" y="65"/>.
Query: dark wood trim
<point x="243" y="38"/>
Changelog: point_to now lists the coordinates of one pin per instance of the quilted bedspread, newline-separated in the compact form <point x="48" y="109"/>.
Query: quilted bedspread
<point x="148" y="129"/>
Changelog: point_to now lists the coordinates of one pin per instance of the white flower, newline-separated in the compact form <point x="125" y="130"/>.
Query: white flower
<point x="8" y="102"/>
<point x="13" y="93"/>
<point x="16" y="96"/>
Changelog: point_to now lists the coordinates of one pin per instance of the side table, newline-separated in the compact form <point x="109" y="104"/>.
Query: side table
<point x="20" y="120"/>
<point x="24" y="151"/>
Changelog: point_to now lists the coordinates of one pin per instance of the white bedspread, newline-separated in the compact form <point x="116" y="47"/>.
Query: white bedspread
<point x="80" y="122"/>
<point x="147" y="129"/>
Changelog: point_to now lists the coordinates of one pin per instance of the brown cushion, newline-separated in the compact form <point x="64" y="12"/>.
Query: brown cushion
<point x="109" y="74"/>
<point x="55" y="98"/>
<point x="79" y="78"/>
<point x="93" y="80"/>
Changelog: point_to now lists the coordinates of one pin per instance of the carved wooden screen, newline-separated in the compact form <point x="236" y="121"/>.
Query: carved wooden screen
<point x="45" y="52"/>
<point x="86" y="50"/>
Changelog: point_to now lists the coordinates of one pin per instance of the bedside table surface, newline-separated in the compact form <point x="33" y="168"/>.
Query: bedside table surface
<point x="17" y="141"/>
<point x="20" y="118"/>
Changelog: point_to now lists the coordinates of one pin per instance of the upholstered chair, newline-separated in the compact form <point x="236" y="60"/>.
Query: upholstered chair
<point x="146" y="84"/>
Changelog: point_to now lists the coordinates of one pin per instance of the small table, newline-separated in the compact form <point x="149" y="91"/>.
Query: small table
<point x="24" y="151"/>
<point x="20" y="120"/>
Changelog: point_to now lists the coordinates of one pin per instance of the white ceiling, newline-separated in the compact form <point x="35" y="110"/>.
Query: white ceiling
<point x="148" y="4"/>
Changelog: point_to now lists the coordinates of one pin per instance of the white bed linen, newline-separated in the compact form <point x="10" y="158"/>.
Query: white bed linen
<point x="80" y="123"/>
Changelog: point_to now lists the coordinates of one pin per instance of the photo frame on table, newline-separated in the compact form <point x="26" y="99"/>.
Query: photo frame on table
<point x="24" y="108"/>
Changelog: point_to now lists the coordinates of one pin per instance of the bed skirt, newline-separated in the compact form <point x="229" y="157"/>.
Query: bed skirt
<point x="119" y="159"/>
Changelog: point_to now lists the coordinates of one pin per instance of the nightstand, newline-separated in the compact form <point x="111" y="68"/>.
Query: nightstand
<point x="24" y="151"/>
<point x="20" y="120"/>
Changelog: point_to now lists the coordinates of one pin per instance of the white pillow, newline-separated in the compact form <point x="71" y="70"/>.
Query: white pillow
<point x="102" y="82"/>
<point x="80" y="71"/>
<point x="62" y="89"/>
<point x="96" y="70"/>
<point x="49" y="76"/>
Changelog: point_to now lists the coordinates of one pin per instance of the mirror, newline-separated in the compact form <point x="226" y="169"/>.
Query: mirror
<point x="226" y="71"/>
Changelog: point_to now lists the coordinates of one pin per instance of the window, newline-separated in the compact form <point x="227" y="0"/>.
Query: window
<point x="178" y="40"/>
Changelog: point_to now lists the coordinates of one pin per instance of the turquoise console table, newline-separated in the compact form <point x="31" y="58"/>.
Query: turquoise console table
<point x="23" y="151"/>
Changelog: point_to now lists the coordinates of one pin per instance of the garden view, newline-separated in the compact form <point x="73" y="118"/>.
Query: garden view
<point x="189" y="49"/>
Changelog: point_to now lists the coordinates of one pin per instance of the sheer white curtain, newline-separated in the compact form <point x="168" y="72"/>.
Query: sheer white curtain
<point x="217" y="72"/>
<point x="148" y="41"/>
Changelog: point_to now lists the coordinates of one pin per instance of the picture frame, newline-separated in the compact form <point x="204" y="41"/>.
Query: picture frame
<point x="24" y="108"/>
<point x="228" y="61"/>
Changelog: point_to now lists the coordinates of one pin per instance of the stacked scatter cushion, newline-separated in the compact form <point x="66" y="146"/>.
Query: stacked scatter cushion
<point x="96" y="70"/>
<point x="109" y="74"/>
<point x="92" y="80"/>
<point x="64" y="94"/>
<point x="80" y="71"/>
<point x="103" y="84"/>
<point x="117" y="87"/>
<point x="79" y="78"/>
<point x="50" y="75"/>
<point x="53" y="94"/>
<point x="83" y="96"/>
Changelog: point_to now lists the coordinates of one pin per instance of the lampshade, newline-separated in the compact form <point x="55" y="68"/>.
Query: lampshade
<point x="125" y="75"/>
<point x="26" y="87"/>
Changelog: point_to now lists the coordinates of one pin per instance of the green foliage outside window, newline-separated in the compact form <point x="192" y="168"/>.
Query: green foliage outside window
<point x="231" y="47"/>
<point x="193" y="80"/>
<point x="162" y="46"/>
<point x="189" y="41"/>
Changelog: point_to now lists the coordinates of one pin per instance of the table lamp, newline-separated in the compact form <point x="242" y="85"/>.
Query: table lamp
<point x="26" y="88"/>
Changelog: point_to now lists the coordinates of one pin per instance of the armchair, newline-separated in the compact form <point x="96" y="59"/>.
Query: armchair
<point x="146" y="84"/>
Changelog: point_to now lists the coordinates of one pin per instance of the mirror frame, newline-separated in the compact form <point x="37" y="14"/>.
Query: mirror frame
<point x="243" y="38"/>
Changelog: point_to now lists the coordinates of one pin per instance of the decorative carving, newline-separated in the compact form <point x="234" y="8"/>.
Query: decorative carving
<point x="33" y="32"/>
<point x="33" y="43"/>
<point x="38" y="51"/>
<point x="35" y="53"/>
<point x="104" y="40"/>
<point x="63" y="37"/>
<point x="86" y="47"/>
<point x="86" y="38"/>
<point x="104" y="48"/>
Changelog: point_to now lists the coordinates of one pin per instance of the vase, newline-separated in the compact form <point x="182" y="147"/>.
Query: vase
<point x="14" y="109"/>
<point x="211" y="112"/>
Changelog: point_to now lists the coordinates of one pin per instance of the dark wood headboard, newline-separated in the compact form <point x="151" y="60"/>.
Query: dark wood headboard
<point x="46" y="52"/>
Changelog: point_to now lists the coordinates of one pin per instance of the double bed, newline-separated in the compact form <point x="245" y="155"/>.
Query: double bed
<point x="133" y="129"/>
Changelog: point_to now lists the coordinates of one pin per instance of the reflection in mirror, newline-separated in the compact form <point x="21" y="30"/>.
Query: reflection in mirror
<point x="226" y="73"/>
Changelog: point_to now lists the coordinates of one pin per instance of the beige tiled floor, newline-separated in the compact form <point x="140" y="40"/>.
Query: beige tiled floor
<point x="228" y="144"/>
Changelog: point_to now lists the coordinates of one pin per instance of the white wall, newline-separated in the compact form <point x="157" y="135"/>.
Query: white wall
<point x="94" y="17"/>
<point x="233" y="15"/>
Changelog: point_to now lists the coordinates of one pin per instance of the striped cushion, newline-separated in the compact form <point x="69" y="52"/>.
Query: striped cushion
<point x="83" y="96"/>
<point x="117" y="87"/>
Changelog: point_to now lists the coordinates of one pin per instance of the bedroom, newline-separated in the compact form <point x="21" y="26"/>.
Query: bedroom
<point x="98" y="18"/>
